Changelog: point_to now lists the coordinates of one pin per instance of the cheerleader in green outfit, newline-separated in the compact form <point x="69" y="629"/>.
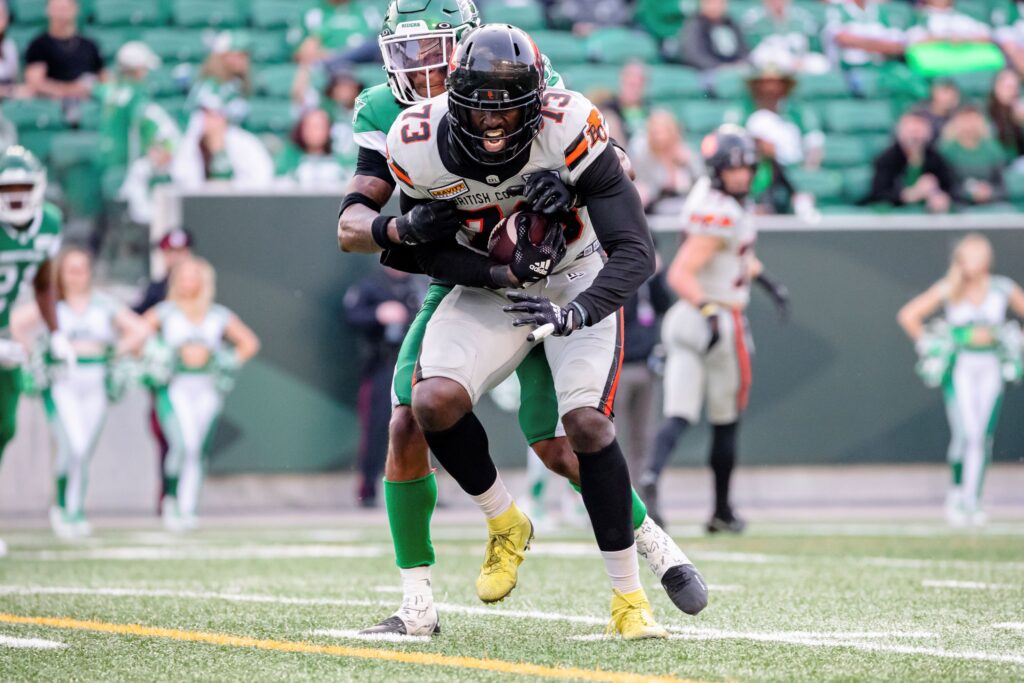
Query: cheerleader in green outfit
<point x="971" y="351"/>
<point x="207" y="344"/>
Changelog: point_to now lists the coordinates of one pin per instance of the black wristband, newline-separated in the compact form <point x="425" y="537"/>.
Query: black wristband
<point x="379" y="232"/>
<point x="358" y="198"/>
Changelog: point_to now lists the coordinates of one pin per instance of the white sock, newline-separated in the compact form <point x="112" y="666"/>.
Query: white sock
<point x="494" y="500"/>
<point x="623" y="569"/>
<point x="416" y="583"/>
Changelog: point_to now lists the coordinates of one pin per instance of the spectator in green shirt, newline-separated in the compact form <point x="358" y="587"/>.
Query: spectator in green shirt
<point x="334" y="26"/>
<point x="225" y="79"/>
<point x="309" y="160"/>
<point x="339" y="99"/>
<point x="976" y="157"/>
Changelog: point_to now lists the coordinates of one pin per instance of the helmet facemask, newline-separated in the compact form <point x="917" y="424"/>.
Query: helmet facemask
<point x="20" y="199"/>
<point x="478" y="144"/>
<point x="411" y="57"/>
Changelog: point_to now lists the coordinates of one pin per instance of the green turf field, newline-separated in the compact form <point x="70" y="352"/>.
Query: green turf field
<point x="897" y="602"/>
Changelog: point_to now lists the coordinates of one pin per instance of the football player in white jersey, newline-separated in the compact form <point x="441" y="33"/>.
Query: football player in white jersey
<point x="984" y="353"/>
<point x="498" y="141"/>
<point x="705" y="333"/>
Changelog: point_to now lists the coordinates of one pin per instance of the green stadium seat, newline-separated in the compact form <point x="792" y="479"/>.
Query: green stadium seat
<point x="702" y="116"/>
<point x="819" y="10"/>
<point x="130" y="13"/>
<point x="34" y="114"/>
<point x="977" y="9"/>
<point x="842" y="151"/>
<point x="561" y="47"/>
<point x="1015" y="186"/>
<point x="620" y="45"/>
<point x="269" y="47"/>
<point x="671" y="82"/>
<point x="587" y="79"/>
<point x="170" y="79"/>
<point x="826" y="186"/>
<point x="269" y="115"/>
<point x="28" y="11"/>
<point x="856" y="116"/>
<point x="730" y="84"/>
<point x="822" y="86"/>
<point x="89" y="115"/>
<point x="113" y="179"/>
<point x="525" y="14"/>
<point x="176" y="107"/>
<point x="276" y="13"/>
<point x="659" y="18"/>
<point x="974" y="85"/>
<point x="74" y="147"/>
<point x="901" y="14"/>
<point x="108" y="39"/>
<point x="275" y="81"/>
<point x="212" y="13"/>
<point x="22" y="36"/>
<point x="176" y="44"/>
<point x="857" y="182"/>
<point x="38" y="142"/>
<point x="370" y="74"/>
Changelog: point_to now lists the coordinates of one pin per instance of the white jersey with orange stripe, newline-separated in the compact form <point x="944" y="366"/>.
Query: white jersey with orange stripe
<point x="572" y="137"/>
<point x="726" y="278"/>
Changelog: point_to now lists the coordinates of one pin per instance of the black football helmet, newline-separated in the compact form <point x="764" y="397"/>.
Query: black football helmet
<point x="729" y="146"/>
<point x="495" y="67"/>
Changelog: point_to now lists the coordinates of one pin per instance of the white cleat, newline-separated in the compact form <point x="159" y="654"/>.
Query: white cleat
<point x="170" y="516"/>
<point x="416" y="617"/>
<point x="679" y="577"/>
<point x="63" y="528"/>
<point x="956" y="516"/>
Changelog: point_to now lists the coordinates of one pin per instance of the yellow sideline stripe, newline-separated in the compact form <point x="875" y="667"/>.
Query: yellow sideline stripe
<point x="427" y="658"/>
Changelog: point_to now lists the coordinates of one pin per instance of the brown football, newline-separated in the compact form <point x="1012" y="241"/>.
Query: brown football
<point x="502" y="243"/>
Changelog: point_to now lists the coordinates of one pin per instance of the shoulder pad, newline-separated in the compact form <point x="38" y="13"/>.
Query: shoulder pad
<point x="578" y="127"/>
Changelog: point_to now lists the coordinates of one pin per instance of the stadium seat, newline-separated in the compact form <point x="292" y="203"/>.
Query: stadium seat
<point x="74" y="147"/>
<point x="269" y="47"/>
<point x="560" y="47"/>
<point x="37" y="141"/>
<point x="28" y="11"/>
<point x="702" y="116"/>
<point x="857" y="182"/>
<point x="588" y="79"/>
<point x="175" y="107"/>
<point x="275" y="81"/>
<point x="113" y="179"/>
<point x="34" y="114"/>
<point x="89" y="115"/>
<point x="671" y="82"/>
<point x="177" y="45"/>
<point x="821" y="86"/>
<point x="108" y="39"/>
<point x="1015" y="187"/>
<point x="659" y="18"/>
<point x="729" y="84"/>
<point x="170" y="79"/>
<point x="212" y="13"/>
<point x="370" y="74"/>
<point x="22" y="36"/>
<point x="620" y="45"/>
<point x="826" y="186"/>
<point x="525" y="14"/>
<point x="855" y="116"/>
<point x="276" y="13"/>
<point x="130" y="13"/>
<point x="269" y="115"/>
<point x="901" y="15"/>
<point x="977" y="9"/>
<point x="846" y="150"/>
<point x="974" y="85"/>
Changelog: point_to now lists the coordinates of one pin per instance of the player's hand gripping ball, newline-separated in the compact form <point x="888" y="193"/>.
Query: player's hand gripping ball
<point x="531" y="244"/>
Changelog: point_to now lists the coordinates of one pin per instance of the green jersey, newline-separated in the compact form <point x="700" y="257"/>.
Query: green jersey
<point x="341" y="26"/>
<point x="376" y="109"/>
<point x="21" y="254"/>
<point x="130" y="122"/>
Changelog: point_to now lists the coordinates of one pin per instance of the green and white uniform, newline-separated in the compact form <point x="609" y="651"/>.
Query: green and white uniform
<point x="188" y="406"/>
<point x="973" y="392"/>
<point x="22" y="252"/>
<point x="130" y="123"/>
<point x="76" y="401"/>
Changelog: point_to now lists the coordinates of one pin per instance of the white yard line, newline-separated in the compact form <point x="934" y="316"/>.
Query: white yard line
<point x="372" y="637"/>
<point x="30" y="643"/>
<point x="243" y="552"/>
<point x="969" y="585"/>
<point x="1011" y="626"/>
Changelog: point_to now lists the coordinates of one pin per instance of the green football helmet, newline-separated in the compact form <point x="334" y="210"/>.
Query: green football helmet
<point x="22" y="186"/>
<point x="418" y="37"/>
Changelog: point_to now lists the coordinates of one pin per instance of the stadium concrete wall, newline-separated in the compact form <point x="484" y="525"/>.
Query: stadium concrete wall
<point x="833" y="385"/>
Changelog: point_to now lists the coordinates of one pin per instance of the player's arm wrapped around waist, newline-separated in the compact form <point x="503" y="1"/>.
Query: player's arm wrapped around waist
<point x="617" y="215"/>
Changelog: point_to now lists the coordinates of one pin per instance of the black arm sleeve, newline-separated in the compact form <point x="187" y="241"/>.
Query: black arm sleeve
<point x="372" y="163"/>
<point x="618" y="217"/>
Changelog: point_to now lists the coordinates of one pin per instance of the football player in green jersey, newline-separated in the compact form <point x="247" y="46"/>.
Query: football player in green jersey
<point x="417" y="40"/>
<point x="29" y="239"/>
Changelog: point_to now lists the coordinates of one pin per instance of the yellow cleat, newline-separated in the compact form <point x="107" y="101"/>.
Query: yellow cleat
<point x="510" y="536"/>
<point x="632" y="617"/>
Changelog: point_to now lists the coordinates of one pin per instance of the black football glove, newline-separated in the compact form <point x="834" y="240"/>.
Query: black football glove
<point x="429" y="222"/>
<point x="539" y="311"/>
<point x="547" y="194"/>
<point x="711" y="312"/>
<point x="532" y="262"/>
<point x="777" y="292"/>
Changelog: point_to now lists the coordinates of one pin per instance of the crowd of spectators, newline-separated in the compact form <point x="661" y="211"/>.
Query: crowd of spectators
<point x="949" y="75"/>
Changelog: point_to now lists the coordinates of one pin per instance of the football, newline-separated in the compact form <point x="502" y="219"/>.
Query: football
<point x="502" y="243"/>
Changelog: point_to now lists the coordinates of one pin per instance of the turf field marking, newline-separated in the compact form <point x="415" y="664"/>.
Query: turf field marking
<point x="244" y="552"/>
<point x="373" y="637"/>
<point x="1011" y="625"/>
<point x="30" y="643"/>
<point x="970" y="585"/>
<point x="422" y="658"/>
<point x="387" y="589"/>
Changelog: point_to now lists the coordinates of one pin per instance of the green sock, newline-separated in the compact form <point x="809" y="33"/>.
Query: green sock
<point x="171" y="487"/>
<point x="958" y="473"/>
<point x="410" y="505"/>
<point x="62" y="489"/>
<point x="639" y="509"/>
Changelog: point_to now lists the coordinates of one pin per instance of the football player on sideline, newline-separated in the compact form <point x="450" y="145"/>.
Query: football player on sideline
<point x="496" y="132"/>
<point x="417" y="43"/>
<point x="706" y="335"/>
<point x="29" y="240"/>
